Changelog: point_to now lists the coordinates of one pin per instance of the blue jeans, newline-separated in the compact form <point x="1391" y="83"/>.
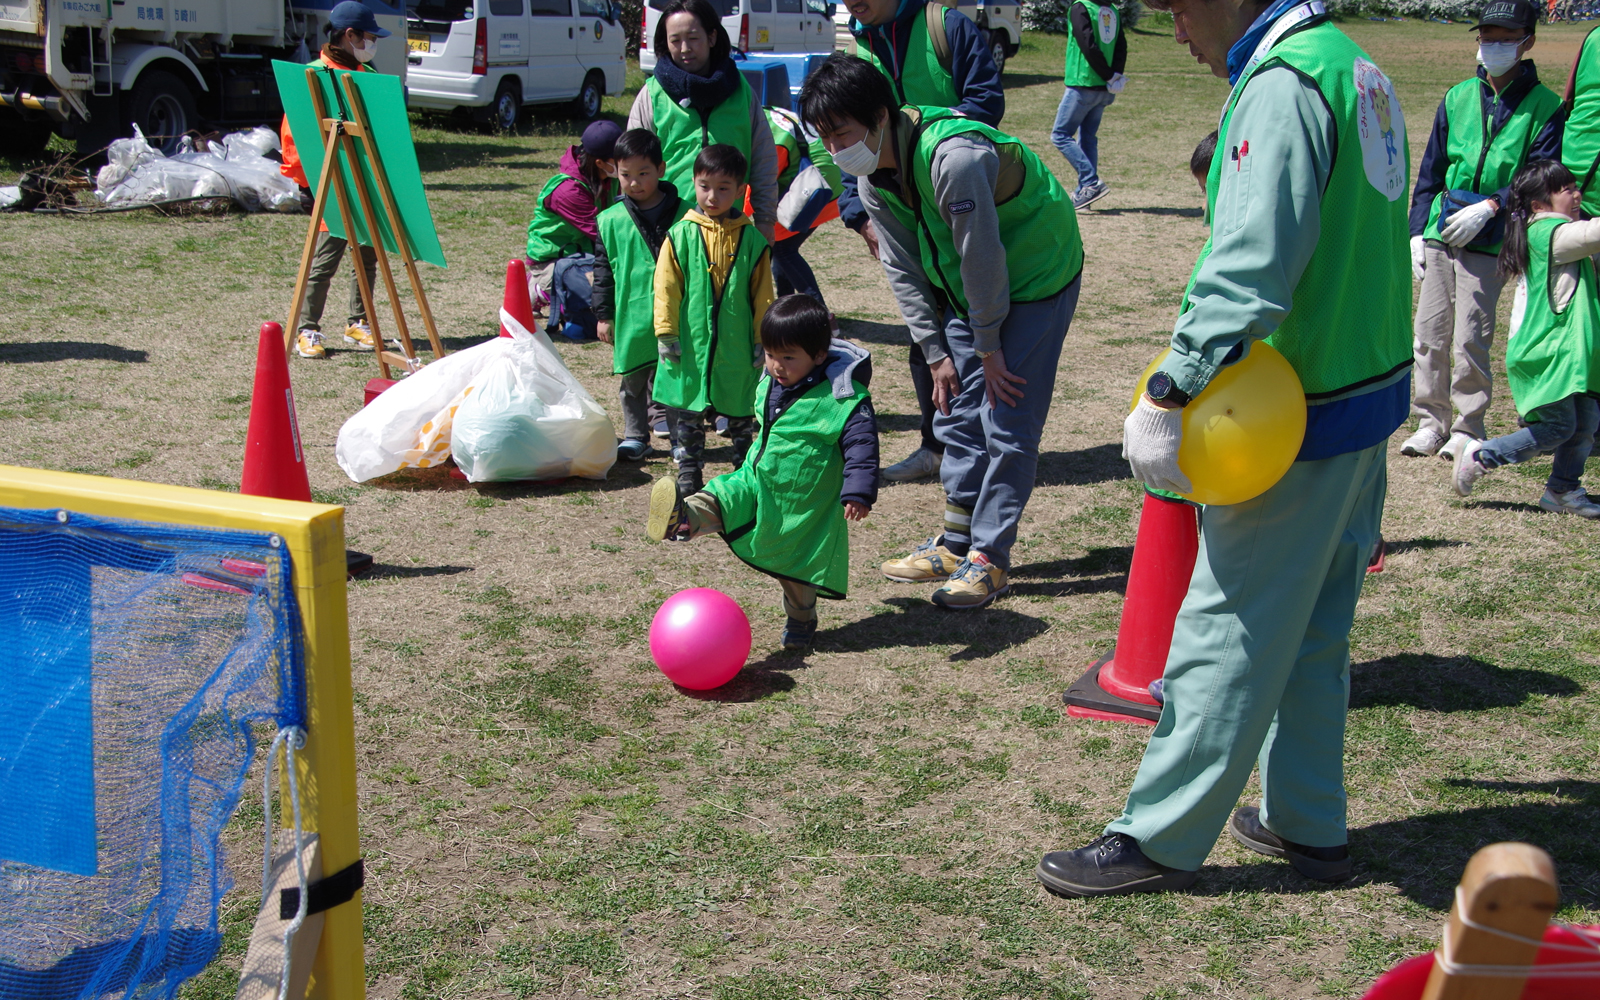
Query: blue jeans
<point x="1565" y="427"/>
<point x="1079" y="115"/>
<point x="790" y="272"/>
<point x="992" y="454"/>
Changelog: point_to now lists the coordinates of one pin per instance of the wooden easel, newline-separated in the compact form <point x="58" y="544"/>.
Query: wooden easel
<point x="341" y="133"/>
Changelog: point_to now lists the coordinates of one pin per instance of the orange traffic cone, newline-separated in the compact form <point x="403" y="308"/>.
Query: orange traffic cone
<point x="1117" y="687"/>
<point x="516" y="301"/>
<point x="274" y="463"/>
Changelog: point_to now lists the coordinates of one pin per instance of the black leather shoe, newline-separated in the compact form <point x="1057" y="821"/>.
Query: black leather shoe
<point x="1325" y="864"/>
<point x="1110" y="866"/>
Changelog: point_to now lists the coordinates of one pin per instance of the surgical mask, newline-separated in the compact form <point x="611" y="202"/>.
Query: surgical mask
<point x="365" y="50"/>
<point x="1499" y="58"/>
<point x="856" y="159"/>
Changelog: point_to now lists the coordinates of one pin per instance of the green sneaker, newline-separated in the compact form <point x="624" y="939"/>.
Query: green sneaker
<point x="666" y="521"/>
<point x="975" y="583"/>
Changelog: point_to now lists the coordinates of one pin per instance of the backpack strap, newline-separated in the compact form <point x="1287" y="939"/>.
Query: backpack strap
<point x="934" y="15"/>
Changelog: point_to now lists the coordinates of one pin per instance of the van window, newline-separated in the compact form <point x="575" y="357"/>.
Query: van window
<point x="440" y="10"/>
<point x="759" y="6"/>
<point x="505" y="8"/>
<point x="594" y="8"/>
<point x="789" y="7"/>
<point x="724" y="8"/>
<point x="552" y="8"/>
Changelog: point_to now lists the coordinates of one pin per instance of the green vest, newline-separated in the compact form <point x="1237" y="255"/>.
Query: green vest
<point x="1107" y="26"/>
<point x="684" y="132"/>
<point x="1037" y="223"/>
<point x="1350" y="321"/>
<point x="1580" y="144"/>
<point x="549" y="235"/>
<point x="780" y="510"/>
<point x="716" y="334"/>
<point x="922" y="80"/>
<point x="1486" y="169"/>
<point x="1553" y="354"/>
<point x="633" y="269"/>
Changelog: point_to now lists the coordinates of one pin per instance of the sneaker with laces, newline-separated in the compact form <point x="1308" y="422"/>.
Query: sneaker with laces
<point x="667" y="521"/>
<point x="928" y="561"/>
<point x="1426" y="441"/>
<point x="1325" y="864"/>
<point x="1453" y="447"/>
<point x="1112" y="865"/>
<point x="1089" y="194"/>
<point x="308" y="344"/>
<point x="359" y="336"/>
<point x="632" y="449"/>
<point x="1468" y="469"/>
<point x="975" y="583"/>
<point x="917" y="465"/>
<point x="798" y="634"/>
<point x="1575" y="501"/>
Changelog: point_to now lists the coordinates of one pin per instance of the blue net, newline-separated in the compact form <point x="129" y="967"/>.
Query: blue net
<point x="136" y="661"/>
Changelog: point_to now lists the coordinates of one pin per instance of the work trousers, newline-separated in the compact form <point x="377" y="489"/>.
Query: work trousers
<point x="705" y="517"/>
<point x="1259" y="669"/>
<point x="1565" y="428"/>
<point x="791" y="274"/>
<point x="992" y="453"/>
<point x="324" y="265"/>
<point x="1453" y="332"/>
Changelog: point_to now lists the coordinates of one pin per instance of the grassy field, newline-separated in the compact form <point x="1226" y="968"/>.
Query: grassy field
<point x="543" y="815"/>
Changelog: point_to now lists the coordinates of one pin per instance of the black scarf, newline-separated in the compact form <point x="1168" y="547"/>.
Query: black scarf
<point x="690" y="90"/>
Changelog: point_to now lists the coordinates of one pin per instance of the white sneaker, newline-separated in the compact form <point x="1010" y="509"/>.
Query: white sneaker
<point x="1574" y="502"/>
<point x="917" y="465"/>
<point x="1468" y="469"/>
<point x="1453" y="447"/>
<point x="1426" y="441"/>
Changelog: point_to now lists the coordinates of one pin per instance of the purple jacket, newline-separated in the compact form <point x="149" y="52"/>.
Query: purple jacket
<point x="571" y="201"/>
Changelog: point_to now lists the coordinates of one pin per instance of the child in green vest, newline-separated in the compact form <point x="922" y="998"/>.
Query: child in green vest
<point x="563" y="223"/>
<point x="713" y="282"/>
<point x="631" y="235"/>
<point x="784" y="511"/>
<point x="1553" y="352"/>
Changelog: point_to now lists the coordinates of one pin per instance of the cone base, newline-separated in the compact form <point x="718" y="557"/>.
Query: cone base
<point x="1086" y="699"/>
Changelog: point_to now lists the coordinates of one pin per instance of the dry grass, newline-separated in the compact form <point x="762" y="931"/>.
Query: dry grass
<point x="544" y="816"/>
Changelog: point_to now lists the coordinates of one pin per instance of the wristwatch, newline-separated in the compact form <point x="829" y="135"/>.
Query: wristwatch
<point x="1162" y="389"/>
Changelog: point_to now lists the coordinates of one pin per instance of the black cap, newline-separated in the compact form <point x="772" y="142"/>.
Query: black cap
<point x="1515" y="14"/>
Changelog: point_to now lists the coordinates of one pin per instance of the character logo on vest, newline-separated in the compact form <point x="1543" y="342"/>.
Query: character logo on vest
<point x="1108" y="24"/>
<point x="1382" y="130"/>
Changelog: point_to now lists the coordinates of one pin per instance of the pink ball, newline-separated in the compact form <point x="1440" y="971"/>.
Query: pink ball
<point x="700" y="638"/>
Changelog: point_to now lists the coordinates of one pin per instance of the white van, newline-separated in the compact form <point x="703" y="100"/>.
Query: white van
<point x="494" y="58"/>
<point x="759" y="27"/>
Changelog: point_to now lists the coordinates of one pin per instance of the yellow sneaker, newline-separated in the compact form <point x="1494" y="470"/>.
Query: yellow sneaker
<point x="976" y="582"/>
<point x="666" y="520"/>
<point x="928" y="561"/>
<point x="308" y="344"/>
<point x="358" y="336"/>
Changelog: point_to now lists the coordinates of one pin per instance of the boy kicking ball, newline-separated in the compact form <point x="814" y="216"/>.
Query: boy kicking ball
<point x="814" y="465"/>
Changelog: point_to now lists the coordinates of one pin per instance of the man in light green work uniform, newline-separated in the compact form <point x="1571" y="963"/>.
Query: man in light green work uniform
<point x="1308" y="252"/>
<point x="1580" y="148"/>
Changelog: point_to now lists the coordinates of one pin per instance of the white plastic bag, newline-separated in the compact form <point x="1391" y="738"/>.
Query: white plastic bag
<point x="137" y="174"/>
<point x="408" y="426"/>
<point x="528" y="418"/>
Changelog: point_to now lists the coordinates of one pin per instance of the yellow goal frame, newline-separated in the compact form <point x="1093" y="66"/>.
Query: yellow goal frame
<point x="326" y="768"/>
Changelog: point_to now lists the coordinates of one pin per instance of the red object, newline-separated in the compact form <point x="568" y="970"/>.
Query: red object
<point x="646" y="42"/>
<point x="212" y="583"/>
<point x="1117" y="688"/>
<point x="274" y="463"/>
<point x="516" y="301"/>
<point x="480" y="49"/>
<point x="744" y="33"/>
<point x="375" y="387"/>
<point x="1406" y="980"/>
<point x="244" y="567"/>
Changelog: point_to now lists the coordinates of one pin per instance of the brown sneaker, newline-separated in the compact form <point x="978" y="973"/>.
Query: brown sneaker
<point x="928" y="561"/>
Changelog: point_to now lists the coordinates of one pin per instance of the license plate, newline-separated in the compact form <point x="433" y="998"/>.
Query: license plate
<point x="416" y="44"/>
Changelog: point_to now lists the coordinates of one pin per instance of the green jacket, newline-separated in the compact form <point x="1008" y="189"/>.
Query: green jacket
<point x="1108" y="25"/>
<point x="633" y="277"/>
<point x="1553" y="354"/>
<point x="780" y="510"/>
<point x="549" y="235"/>
<point x="923" y="79"/>
<point x="1580" y="145"/>
<point x="684" y="132"/>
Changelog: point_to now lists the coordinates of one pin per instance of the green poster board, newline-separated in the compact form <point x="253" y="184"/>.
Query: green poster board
<point x="385" y="103"/>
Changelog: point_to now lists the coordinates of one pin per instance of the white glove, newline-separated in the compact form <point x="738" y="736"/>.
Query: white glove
<point x="1117" y="82"/>
<point x="1461" y="227"/>
<point x="1418" y="256"/>
<point x="668" y="347"/>
<point x="1150" y="439"/>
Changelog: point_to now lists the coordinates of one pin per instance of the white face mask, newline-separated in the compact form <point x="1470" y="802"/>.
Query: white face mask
<point x="1499" y="58"/>
<point x="365" y="50"/>
<point x="856" y="159"/>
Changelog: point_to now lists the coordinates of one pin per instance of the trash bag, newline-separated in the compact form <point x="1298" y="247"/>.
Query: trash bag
<point x="408" y="425"/>
<point x="136" y="173"/>
<point x="258" y="141"/>
<point x="528" y="418"/>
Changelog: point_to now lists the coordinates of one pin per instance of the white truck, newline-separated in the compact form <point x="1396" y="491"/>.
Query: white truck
<point x="92" y="69"/>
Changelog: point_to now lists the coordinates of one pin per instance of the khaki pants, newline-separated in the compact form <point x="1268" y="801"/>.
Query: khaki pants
<point x="1454" y="330"/>
<point x="705" y="517"/>
<point x="324" y="265"/>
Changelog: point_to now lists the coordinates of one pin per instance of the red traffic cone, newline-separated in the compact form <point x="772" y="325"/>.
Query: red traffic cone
<point x="516" y="301"/>
<point x="274" y="463"/>
<point x="1117" y="687"/>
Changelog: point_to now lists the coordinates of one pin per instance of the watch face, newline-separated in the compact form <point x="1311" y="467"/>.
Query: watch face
<point x="1159" y="386"/>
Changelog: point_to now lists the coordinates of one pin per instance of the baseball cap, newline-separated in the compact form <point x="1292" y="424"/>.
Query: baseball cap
<point x="600" y="139"/>
<point x="355" y="14"/>
<point x="1520" y="15"/>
